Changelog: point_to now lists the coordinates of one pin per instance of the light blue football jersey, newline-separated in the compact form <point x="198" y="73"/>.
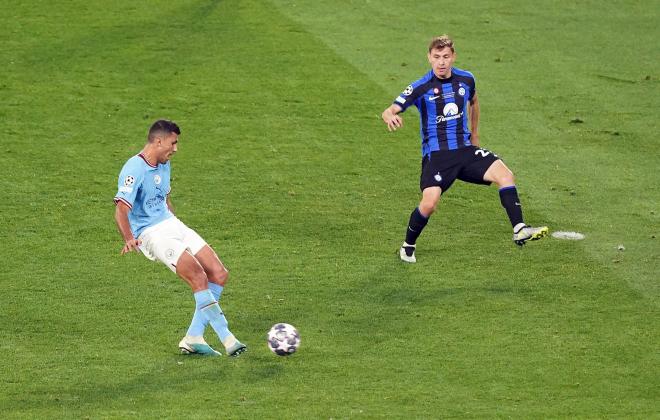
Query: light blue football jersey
<point x="144" y="189"/>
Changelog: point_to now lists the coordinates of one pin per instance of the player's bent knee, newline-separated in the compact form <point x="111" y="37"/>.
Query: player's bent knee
<point x="500" y="175"/>
<point x="220" y="276"/>
<point x="197" y="280"/>
<point x="508" y="179"/>
<point x="427" y="208"/>
<point x="190" y="270"/>
<point x="429" y="201"/>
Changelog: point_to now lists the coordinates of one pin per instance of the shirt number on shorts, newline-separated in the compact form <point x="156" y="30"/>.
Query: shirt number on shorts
<point x="482" y="152"/>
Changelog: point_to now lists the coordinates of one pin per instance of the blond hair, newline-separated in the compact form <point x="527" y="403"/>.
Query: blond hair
<point x="440" y="42"/>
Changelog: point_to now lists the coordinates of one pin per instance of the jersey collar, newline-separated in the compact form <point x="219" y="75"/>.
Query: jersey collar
<point x="146" y="161"/>
<point x="449" y="79"/>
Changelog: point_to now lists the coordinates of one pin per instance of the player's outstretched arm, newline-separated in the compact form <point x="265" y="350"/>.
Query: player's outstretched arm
<point x="121" y="218"/>
<point x="391" y="118"/>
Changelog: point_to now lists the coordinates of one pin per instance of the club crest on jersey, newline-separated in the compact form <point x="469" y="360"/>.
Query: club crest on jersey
<point x="461" y="91"/>
<point x="438" y="177"/>
<point x="408" y="90"/>
<point x="129" y="180"/>
<point x="157" y="179"/>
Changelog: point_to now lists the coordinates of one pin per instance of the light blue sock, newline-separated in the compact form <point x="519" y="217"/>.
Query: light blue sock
<point x="216" y="289"/>
<point x="199" y="321"/>
<point x="198" y="324"/>
<point x="208" y="306"/>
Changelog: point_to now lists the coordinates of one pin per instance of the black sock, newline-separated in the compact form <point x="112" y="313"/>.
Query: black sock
<point x="415" y="226"/>
<point x="511" y="203"/>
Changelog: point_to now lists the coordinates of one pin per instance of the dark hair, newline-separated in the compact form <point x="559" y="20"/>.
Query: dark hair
<point x="440" y="42"/>
<point x="162" y="127"/>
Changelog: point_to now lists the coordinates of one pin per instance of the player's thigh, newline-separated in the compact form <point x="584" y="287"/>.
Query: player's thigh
<point x="476" y="164"/>
<point x="191" y="271"/>
<point x="164" y="244"/>
<point x="214" y="268"/>
<point x="439" y="170"/>
<point x="431" y="196"/>
<point x="500" y="174"/>
<point x="191" y="239"/>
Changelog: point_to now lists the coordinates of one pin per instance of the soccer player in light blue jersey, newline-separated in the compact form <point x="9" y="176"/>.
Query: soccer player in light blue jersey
<point x="147" y="223"/>
<point x="446" y="98"/>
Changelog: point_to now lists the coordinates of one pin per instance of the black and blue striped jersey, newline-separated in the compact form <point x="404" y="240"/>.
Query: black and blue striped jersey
<point x="443" y="110"/>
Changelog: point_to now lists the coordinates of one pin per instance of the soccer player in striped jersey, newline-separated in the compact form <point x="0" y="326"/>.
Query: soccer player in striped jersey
<point x="446" y="98"/>
<point x="146" y="221"/>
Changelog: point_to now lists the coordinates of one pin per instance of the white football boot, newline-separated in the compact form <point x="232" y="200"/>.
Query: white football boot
<point x="236" y="349"/>
<point x="407" y="253"/>
<point x="196" y="345"/>
<point x="528" y="233"/>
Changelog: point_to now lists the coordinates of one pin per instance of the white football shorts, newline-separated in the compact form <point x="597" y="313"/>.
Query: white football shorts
<point x="167" y="240"/>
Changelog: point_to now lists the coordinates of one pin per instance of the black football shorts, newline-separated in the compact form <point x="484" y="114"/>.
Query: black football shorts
<point x="442" y="168"/>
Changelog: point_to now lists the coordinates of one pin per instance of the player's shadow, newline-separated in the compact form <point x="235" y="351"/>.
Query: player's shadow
<point x="175" y="373"/>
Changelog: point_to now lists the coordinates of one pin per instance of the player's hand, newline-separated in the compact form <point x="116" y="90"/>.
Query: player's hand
<point x="131" y="245"/>
<point x="392" y="120"/>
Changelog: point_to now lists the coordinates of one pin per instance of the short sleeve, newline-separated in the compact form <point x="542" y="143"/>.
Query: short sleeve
<point x="128" y="183"/>
<point x="408" y="96"/>
<point x="413" y="93"/>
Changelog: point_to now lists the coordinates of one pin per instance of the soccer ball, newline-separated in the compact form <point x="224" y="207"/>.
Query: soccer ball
<point x="283" y="339"/>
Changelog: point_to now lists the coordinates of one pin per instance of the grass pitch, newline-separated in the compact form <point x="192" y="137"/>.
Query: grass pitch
<point x="287" y="170"/>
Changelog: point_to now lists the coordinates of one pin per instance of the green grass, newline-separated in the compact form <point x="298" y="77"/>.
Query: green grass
<point x="286" y="169"/>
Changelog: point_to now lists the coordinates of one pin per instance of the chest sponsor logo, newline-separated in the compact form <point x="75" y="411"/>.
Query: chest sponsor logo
<point x="450" y="112"/>
<point x="156" y="201"/>
<point x="450" y="109"/>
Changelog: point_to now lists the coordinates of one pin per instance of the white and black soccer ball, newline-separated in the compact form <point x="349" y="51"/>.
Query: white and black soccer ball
<point x="283" y="339"/>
